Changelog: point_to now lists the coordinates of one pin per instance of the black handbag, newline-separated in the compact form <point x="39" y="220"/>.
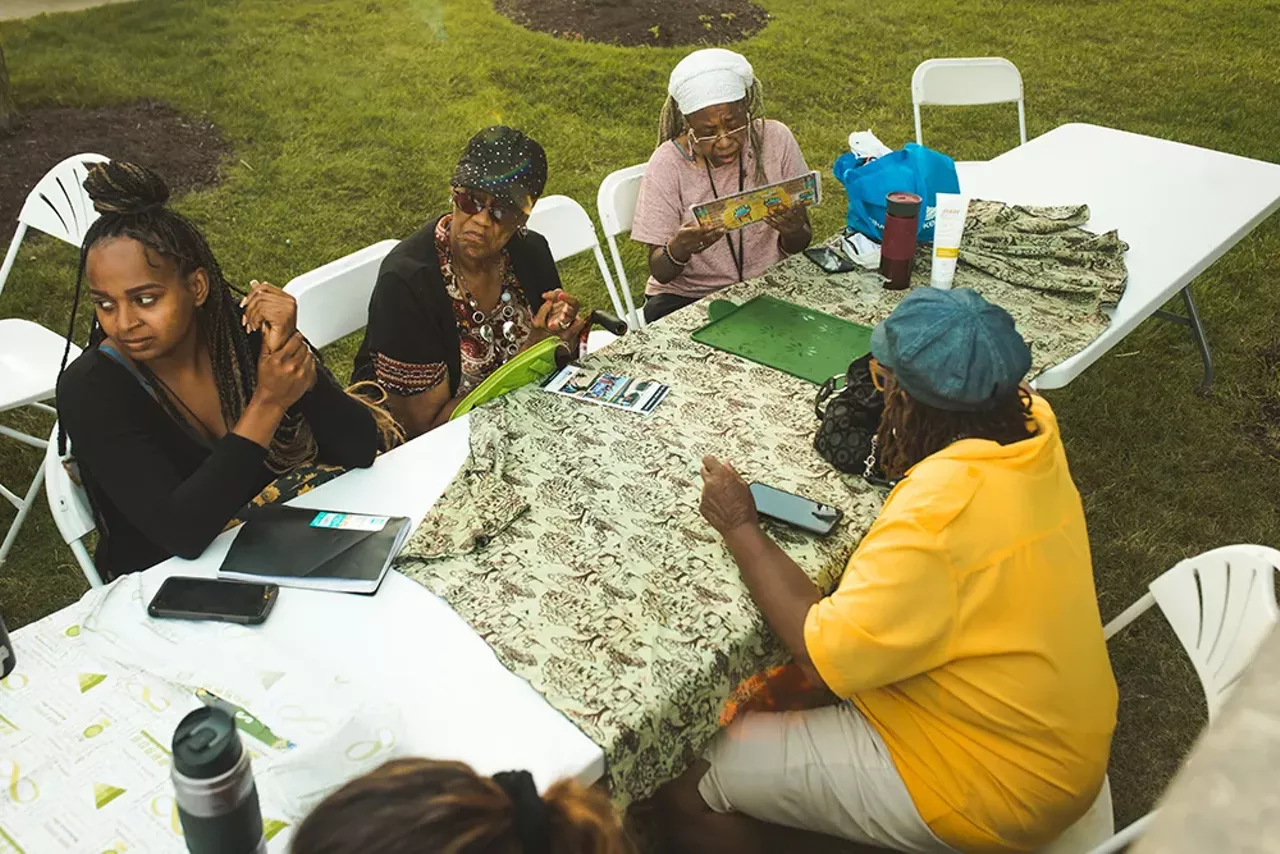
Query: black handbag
<point x="849" y="407"/>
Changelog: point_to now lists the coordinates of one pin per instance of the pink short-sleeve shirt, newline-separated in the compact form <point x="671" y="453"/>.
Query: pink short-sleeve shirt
<point x="673" y="183"/>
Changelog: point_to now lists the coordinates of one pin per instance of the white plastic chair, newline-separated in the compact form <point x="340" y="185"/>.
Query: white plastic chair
<point x="967" y="82"/>
<point x="57" y="205"/>
<point x="333" y="300"/>
<point x="1221" y="605"/>
<point x="616" y="207"/>
<point x="569" y="231"/>
<point x="69" y="504"/>
<point x="29" y="353"/>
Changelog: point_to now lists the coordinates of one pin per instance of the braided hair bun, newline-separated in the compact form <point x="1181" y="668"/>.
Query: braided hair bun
<point x="125" y="188"/>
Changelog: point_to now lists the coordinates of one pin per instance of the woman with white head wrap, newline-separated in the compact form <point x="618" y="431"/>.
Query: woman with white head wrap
<point x="713" y="141"/>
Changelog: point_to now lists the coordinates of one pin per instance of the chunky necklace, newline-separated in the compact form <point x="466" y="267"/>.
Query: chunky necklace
<point x="500" y="322"/>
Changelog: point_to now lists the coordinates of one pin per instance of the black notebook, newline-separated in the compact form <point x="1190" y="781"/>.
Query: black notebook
<point x="315" y="549"/>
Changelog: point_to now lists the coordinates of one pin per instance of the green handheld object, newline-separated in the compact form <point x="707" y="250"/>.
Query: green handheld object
<point x="530" y="366"/>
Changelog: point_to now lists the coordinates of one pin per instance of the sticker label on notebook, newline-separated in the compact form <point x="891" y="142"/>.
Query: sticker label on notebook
<point x="350" y="521"/>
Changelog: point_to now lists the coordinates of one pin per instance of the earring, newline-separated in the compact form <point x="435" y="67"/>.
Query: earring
<point x="522" y="230"/>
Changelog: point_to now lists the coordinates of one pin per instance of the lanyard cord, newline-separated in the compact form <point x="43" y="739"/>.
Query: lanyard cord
<point x="739" y="257"/>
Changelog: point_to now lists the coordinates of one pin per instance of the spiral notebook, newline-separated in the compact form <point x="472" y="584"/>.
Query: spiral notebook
<point x="315" y="550"/>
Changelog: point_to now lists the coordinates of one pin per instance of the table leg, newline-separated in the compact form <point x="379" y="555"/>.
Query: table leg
<point x="1192" y="320"/>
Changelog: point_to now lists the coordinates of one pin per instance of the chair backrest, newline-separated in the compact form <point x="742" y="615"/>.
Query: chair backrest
<point x="569" y="231"/>
<point x="1222" y="606"/>
<point x="616" y="207"/>
<point x="333" y="300"/>
<point x="967" y="82"/>
<point x="616" y="199"/>
<point x="69" y="504"/>
<point x="565" y="224"/>
<point x="58" y="204"/>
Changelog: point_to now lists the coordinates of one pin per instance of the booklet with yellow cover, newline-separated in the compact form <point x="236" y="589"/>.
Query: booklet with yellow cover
<point x="742" y="209"/>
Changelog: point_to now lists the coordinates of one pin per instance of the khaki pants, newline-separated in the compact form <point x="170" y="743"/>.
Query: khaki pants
<point x="825" y="770"/>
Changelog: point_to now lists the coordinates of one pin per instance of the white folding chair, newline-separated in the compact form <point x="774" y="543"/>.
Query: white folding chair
<point x="569" y="231"/>
<point x="69" y="504"/>
<point x="616" y="207"/>
<point x="967" y="82"/>
<point x="1221" y="605"/>
<point x="333" y="300"/>
<point x="29" y="353"/>
<point x="57" y="205"/>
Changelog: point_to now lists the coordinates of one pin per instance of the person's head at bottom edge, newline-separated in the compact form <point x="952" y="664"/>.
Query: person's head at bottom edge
<point x="951" y="366"/>
<point x="415" y="806"/>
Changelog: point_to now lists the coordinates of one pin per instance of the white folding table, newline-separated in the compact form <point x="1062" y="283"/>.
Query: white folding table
<point x="457" y="699"/>
<point x="463" y="704"/>
<point x="1179" y="207"/>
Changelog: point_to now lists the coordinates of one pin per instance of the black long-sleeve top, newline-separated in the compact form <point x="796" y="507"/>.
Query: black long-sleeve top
<point x="157" y="489"/>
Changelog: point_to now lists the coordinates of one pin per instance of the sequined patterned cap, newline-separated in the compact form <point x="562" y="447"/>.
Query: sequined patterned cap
<point x="505" y="163"/>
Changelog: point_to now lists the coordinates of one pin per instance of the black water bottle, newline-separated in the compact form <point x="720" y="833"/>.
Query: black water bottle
<point x="7" y="661"/>
<point x="213" y="786"/>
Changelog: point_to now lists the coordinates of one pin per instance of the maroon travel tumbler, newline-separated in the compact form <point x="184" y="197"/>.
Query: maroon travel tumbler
<point x="898" y="248"/>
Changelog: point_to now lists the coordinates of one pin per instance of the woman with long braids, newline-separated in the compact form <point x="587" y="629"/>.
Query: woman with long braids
<point x="189" y="399"/>
<point x="417" y="806"/>
<point x="713" y="141"/>
<point x="970" y="702"/>
<point x="469" y="290"/>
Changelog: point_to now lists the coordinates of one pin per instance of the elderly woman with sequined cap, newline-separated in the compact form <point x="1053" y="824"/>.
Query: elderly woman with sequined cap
<point x="467" y="291"/>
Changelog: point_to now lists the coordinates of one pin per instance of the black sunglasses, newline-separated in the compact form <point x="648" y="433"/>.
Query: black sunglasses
<point x="470" y="205"/>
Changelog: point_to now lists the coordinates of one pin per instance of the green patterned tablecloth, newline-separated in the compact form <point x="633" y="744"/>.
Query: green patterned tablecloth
<point x="608" y="592"/>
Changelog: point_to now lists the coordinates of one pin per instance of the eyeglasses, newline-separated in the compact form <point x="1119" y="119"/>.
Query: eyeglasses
<point x="470" y="205"/>
<point x="715" y="137"/>
<point x="879" y="375"/>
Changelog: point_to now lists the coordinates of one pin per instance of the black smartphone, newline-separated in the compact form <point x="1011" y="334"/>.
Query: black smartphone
<point x="185" y="598"/>
<point x="829" y="260"/>
<point x="795" y="509"/>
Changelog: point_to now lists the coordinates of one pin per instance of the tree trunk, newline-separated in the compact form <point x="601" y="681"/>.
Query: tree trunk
<point x="8" y="109"/>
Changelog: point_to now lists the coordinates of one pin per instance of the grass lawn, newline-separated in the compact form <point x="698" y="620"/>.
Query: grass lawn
<point x="347" y="117"/>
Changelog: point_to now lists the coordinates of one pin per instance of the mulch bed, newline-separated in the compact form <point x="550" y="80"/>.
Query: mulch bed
<point x="184" y="150"/>
<point x="639" y="22"/>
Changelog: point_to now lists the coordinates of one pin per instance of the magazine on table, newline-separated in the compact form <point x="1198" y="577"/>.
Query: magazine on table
<point x="608" y="389"/>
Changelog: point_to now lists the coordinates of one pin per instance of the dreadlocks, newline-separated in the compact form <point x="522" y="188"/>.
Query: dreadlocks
<point x="672" y="124"/>
<point x="131" y="200"/>
<point x="911" y="430"/>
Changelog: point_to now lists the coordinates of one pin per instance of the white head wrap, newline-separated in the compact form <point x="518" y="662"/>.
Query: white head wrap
<point x="710" y="76"/>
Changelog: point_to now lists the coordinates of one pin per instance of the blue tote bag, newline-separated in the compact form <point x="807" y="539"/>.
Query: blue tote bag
<point x="914" y="169"/>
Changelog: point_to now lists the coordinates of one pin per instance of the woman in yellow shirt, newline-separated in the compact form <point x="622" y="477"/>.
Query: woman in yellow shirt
<point x="964" y="642"/>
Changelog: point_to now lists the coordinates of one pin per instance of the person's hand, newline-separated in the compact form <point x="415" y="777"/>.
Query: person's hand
<point x="271" y="311"/>
<point x="693" y="238"/>
<point x="792" y="224"/>
<point x="560" y="315"/>
<point x="726" y="498"/>
<point x="286" y="373"/>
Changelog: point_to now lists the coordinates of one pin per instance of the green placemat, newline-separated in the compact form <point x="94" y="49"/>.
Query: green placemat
<point x="805" y="343"/>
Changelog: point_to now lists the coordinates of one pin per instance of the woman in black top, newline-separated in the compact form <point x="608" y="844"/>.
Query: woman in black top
<point x="466" y="292"/>
<point x="184" y="407"/>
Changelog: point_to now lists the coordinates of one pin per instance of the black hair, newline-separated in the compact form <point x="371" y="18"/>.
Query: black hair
<point x="911" y="430"/>
<point x="132" y="202"/>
